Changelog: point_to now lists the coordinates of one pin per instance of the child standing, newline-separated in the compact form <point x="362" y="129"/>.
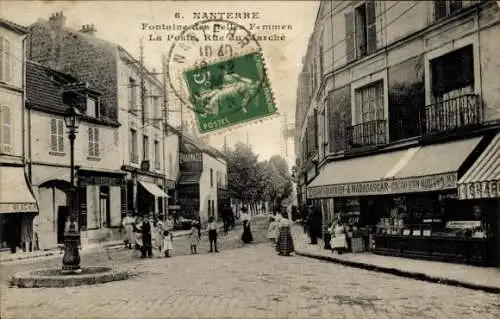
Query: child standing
<point x="272" y="229"/>
<point x="167" y="243"/>
<point x="194" y="237"/>
<point x="212" y="234"/>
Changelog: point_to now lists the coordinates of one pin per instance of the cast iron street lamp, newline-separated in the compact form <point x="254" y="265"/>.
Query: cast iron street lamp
<point x="71" y="259"/>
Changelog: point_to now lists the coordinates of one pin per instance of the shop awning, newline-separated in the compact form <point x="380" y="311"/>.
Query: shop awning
<point x="354" y="177"/>
<point x="153" y="189"/>
<point x="15" y="195"/>
<point x="482" y="180"/>
<point x="419" y="169"/>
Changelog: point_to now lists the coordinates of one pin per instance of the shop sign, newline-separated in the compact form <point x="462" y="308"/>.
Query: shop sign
<point x="487" y="189"/>
<point x="396" y="186"/>
<point x="17" y="207"/>
<point x="101" y="180"/>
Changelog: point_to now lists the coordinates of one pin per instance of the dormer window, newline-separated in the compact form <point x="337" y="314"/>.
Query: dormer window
<point x="92" y="107"/>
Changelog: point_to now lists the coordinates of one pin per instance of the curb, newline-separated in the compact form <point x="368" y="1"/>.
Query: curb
<point x="401" y="273"/>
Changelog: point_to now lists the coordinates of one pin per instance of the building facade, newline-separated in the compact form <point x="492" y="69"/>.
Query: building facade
<point x="18" y="206"/>
<point x="203" y="180"/>
<point x="397" y="106"/>
<point x="100" y="185"/>
<point x="130" y="96"/>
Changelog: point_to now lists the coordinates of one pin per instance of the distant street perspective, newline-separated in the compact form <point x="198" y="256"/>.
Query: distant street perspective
<point x="242" y="281"/>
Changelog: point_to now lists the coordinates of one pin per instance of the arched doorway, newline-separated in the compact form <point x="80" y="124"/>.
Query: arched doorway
<point x="54" y="210"/>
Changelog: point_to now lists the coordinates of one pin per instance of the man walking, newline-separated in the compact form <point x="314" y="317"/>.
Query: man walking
<point x="315" y="219"/>
<point x="147" y="245"/>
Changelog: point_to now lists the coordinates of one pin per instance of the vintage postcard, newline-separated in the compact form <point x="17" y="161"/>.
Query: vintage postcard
<point x="249" y="159"/>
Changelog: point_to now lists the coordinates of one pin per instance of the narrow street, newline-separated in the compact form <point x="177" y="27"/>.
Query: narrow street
<point x="243" y="282"/>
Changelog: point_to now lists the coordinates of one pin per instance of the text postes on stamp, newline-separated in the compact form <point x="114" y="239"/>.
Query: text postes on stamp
<point x="230" y="92"/>
<point x="215" y="67"/>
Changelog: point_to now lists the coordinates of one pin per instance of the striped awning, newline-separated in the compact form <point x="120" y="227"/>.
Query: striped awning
<point x="482" y="180"/>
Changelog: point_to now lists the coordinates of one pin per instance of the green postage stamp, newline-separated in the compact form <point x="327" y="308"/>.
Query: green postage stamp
<point x="230" y="92"/>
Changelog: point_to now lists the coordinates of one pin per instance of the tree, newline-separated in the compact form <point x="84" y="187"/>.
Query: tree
<point x="278" y="184"/>
<point x="251" y="181"/>
<point x="243" y="172"/>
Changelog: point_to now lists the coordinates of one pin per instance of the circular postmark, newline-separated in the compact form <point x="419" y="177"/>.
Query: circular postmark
<point x="215" y="68"/>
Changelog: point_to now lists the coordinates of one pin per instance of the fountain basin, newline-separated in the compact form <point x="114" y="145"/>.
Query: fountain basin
<point x="55" y="278"/>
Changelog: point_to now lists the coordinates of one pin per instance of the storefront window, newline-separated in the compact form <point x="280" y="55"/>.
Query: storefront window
<point x="440" y="215"/>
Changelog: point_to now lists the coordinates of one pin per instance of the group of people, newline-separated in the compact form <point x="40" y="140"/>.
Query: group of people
<point x="148" y="233"/>
<point x="280" y="233"/>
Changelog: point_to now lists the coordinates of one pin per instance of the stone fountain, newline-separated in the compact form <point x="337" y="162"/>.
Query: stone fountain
<point x="71" y="273"/>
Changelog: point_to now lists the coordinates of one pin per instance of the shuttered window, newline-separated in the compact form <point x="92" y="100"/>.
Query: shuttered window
<point x="94" y="142"/>
<point x="57" y="135"/>
<point x="349" y="37"/>
<point x="371" y="29"/>
<point x="6" y="60"/>
<point x="361" y="31"/>
<point x="5" y="129"/>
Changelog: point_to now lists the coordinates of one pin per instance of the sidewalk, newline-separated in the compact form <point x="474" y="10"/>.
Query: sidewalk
<point x="6" y="256"/>
<point x="472" y="277"/>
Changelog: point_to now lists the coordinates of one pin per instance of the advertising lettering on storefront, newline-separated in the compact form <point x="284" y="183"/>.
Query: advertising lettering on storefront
<point x="396" y="186"/>
<point x="17" y="207"/>
<point x="101" y="180"/>
<point x="486" y="189"/>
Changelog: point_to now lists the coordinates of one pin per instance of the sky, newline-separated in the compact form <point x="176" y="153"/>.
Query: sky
<point x="121" y="23"/>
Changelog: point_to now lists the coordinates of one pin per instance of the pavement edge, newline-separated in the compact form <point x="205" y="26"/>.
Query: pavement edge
<point x="401" y="273"/>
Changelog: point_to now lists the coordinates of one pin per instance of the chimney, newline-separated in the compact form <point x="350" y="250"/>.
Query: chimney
<point x="88" y="29"/>
<point x="58" y="20"/>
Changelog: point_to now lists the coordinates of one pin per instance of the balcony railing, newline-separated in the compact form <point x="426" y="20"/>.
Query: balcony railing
<point x="366" y="134"/>
<point x="191" y="157"/>
<point x="452" y="114"/>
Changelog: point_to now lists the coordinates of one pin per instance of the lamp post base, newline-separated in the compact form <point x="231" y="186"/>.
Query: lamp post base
<point x="71" y="259"/>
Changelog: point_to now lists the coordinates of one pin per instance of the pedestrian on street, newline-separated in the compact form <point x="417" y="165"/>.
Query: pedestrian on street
<point x="272" y="229"/>
<point x="198" y="225"/>
<point x="160" y="227"/>
<point x="147" y="248"/>
<point x="212" y="234"/>
<point x="167" y="245"/>
<point x="338" y="241"/>
<point x="138" y="232"/>
<point x="246" y="237"/>
<point x="285" y="246"/>
<point x="128" y="227"/>
<point x="315" y="225"/>
<point x="194" y="237"/>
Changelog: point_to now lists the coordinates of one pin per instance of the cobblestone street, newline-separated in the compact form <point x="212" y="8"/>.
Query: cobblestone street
<point x="250" y="282"/>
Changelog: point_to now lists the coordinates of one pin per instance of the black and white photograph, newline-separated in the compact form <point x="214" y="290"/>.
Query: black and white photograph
<point x="250" y="159"/>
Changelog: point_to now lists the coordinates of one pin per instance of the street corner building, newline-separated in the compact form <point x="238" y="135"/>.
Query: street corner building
<point x="121" y="146"/>
<point x="397" y="123"/>
<point x="203" y="180"/>
<point x="18" y="206"/>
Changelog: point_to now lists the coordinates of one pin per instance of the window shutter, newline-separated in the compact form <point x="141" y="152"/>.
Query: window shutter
<point x="7" y="61"/>
<point x="2" y="60"/>
<point x="91" y="141"/>
<point x="96" y="142"/>
<point x="349" y="36"/>
<point x="60" y="135"/>
<point x="53" y="135"/>
<point x="371" y="29"/>
<point x="439" y="9"/>
<point x="6" y="129"/>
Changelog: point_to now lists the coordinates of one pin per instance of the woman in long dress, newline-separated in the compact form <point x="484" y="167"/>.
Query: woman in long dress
<point x="339" y="240"/>
<point x="284" y="245"/>
<point x="128" y="226"/>
<point x="246" y="237"/>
